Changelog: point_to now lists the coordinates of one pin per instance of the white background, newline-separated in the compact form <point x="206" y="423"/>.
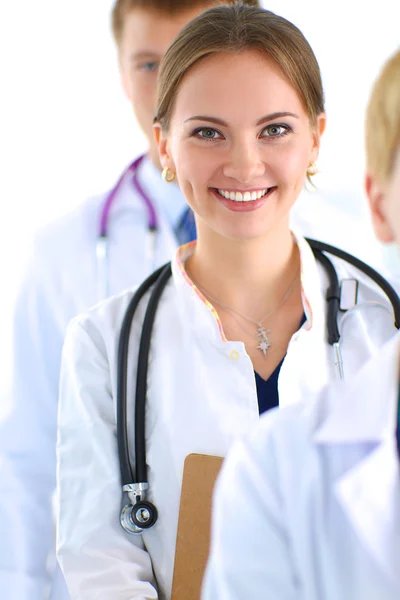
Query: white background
<point x="66" y="131"/>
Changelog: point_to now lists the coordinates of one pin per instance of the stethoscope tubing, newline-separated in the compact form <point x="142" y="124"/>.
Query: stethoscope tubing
<point x="127" y="475"/>
<point x="110" y="200"/>
<point x="103" y="232"/>
<point x="142" y="372"/>
<point x="376" y="277"/>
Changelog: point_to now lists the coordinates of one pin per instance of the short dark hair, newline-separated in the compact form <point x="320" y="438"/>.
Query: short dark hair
<point x="168" y="7"/>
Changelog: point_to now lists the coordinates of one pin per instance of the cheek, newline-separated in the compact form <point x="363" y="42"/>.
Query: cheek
<point x="294" y="163"/>
<point x="143" y="99"/>
<point x="193" y="164"/>
<point x="393" y="200"/>
<point x="393" y="215"/>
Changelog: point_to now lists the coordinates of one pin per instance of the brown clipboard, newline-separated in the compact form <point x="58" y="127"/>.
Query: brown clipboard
<point x="193" y="537"/>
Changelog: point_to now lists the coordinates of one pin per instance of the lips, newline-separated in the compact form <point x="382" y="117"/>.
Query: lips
<point x="243" y="204"/>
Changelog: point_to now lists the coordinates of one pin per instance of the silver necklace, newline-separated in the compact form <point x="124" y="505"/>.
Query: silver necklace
<point x="262" y="338"/>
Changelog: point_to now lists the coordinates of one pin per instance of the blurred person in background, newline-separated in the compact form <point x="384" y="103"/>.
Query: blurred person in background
<point x="108" y="244"/>
<point x="307" y="508"/>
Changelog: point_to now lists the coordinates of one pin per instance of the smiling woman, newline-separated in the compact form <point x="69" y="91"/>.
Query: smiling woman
<point x="241" y="170"/>
<point x="241" y="326"/>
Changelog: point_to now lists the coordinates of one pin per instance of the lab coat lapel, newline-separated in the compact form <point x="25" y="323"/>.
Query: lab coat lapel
<point x="363" y="417"/>
<point x="308" y="353"/>
<point x="370" y="496"/>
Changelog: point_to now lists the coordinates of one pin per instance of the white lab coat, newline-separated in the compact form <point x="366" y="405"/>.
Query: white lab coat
<point x="201" y="396"/>
<point x="308" y="507"/>
<point x="61" y="282"/>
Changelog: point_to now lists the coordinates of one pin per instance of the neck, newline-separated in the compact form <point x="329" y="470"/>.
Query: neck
<point x="250" y="276"/>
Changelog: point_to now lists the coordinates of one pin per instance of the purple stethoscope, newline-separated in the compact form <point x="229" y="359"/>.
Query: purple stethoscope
<point x="102" y="238"/>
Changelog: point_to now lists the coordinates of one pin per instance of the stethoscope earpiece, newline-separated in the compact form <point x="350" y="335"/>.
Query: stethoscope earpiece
<point x="136" y="518"/>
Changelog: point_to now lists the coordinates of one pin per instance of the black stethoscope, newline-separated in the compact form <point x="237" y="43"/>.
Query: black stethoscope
<point x="140" y="514"/>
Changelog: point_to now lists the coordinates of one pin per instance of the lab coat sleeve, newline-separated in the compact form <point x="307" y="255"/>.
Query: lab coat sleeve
<point x="28" y="445"/>
<point x="99" y="560"/>
<point x="250" y="555"/>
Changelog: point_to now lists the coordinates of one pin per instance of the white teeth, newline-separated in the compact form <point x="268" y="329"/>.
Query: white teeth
<point x="242" y="196"/>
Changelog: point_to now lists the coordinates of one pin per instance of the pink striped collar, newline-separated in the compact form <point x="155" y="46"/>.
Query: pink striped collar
<point x="310" y="283"/>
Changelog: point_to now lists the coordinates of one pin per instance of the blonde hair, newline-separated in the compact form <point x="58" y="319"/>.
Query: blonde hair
<point x="235" y="29"/>
<point x="168" y="7"/>
<point x="383" y="121"/>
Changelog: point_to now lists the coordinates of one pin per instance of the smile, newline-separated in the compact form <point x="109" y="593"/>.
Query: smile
<point x="245" y="196"/>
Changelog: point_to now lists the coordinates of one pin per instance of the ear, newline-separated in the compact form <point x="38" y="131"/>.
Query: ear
<point x="162" y="142"/>
<point x="376" y="200"/>
<point x="317" y="131"/>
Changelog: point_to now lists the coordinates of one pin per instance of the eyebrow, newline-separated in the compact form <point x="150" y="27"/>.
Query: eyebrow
<point x="265" y="119"/>
<point x="143" y="55"/>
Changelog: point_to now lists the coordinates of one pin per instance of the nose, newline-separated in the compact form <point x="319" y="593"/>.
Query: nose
<point x="244" y="162"/>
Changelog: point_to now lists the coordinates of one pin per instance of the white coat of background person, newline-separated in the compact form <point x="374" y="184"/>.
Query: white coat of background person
<point x="63" y="279"/>
<point x="239" y="131"/>
<point x="307" y="508"/>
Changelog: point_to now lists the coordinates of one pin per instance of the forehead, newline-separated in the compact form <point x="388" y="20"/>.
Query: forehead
<point x="152" y="31"/>
<point x="237" y="87"/>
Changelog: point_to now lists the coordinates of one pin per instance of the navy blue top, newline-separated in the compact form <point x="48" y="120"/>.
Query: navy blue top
<point x="398" y="424"/>
<point x="186" y="229"/>
<point x="267" y="391"/>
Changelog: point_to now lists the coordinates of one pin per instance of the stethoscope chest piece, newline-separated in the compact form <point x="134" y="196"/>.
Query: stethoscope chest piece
<point x="138" y="517"/>
<point x="139" y="514"/>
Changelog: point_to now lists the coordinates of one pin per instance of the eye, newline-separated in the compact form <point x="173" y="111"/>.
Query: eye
<point x="275" y="131"/>
<point x="207" y="133"/>
<point x="150" y="66"/>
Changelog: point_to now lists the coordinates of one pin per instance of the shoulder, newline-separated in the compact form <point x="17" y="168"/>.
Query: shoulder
<point x="79" y="224"/>
<point x="105" y="319"/>
<point x="56" y="257"/>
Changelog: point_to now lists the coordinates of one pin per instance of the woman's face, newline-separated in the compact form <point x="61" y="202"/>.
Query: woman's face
<point x="392" y="201"/>
<point x="240" y="143"/>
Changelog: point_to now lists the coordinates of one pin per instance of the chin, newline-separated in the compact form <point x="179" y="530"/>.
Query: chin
<point x="244" y="234"/>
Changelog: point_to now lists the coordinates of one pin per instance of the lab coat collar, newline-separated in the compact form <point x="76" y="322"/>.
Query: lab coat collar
<point x="203" y="316"/>
<point x="166" y="196"/>
<point x="364" y="409"/>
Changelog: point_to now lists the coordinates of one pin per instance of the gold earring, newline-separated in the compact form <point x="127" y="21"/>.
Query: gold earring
<point x="168" y="175"/>
<point x="312" y="169"/>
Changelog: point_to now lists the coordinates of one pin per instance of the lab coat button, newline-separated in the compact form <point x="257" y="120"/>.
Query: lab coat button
<point x="234" y="355"/>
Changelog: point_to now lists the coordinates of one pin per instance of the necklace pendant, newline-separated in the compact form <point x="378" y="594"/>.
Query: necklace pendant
<point x="264" y="344"/>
